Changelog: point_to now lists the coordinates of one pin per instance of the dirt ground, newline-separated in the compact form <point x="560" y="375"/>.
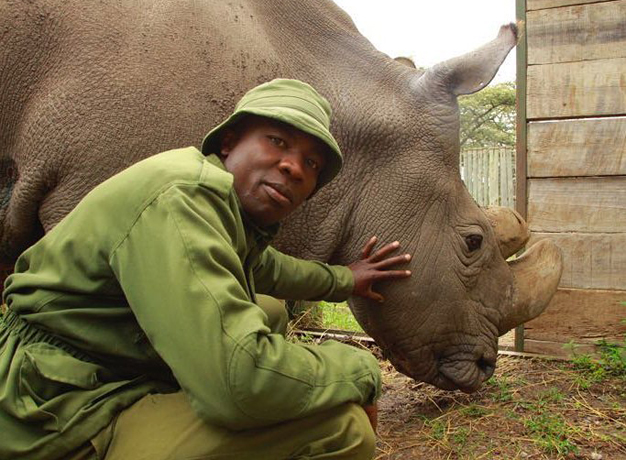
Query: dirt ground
<point x="530" y="409"/>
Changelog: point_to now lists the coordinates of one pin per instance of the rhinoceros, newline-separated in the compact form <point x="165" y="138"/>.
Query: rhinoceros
<point x="88" y="88"/>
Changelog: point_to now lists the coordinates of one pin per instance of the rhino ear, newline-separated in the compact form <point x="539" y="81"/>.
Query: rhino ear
<point x="473" y="71"/>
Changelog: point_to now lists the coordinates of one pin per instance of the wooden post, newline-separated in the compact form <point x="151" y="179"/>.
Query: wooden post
<point x="521" y="173"/>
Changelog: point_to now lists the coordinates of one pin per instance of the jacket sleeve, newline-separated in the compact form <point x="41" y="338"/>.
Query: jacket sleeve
<point x="289" y="278"/>
<point x="186" y="287"/>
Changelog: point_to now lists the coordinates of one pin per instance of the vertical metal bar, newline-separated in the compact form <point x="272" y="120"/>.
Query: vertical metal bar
<point x="521" y="126"/>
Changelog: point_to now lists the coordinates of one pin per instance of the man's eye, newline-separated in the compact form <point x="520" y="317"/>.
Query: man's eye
<point x="313" y="164"/>
<point x="277" y="141"/>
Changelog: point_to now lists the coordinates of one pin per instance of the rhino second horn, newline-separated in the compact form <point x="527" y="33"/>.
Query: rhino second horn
<point x="536" y="276"/>
<point x="510" y="228"/>
<point x="405" y="61"/>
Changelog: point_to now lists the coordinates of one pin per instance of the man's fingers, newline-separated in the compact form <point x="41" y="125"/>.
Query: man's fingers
<point x="404" y="258"/>
<point x="367" y="250"/>
<point x="389" y="274"/>
<point x="375" y="296"/>
<point x="384" y="251"/>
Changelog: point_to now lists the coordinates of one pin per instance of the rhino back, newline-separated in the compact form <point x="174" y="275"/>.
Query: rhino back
<point x="91" y="88"/>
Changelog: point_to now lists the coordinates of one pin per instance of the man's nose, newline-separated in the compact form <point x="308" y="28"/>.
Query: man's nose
<point x="292" y="165"/>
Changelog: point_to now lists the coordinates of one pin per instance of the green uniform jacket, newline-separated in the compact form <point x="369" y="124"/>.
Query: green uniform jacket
<point x="148" y="286"/>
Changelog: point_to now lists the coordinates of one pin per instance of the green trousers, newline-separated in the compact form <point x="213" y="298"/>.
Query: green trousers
<point x="164" y="427"/>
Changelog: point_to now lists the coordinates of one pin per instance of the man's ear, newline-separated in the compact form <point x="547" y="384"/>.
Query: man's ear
<point x="228" y="141"/>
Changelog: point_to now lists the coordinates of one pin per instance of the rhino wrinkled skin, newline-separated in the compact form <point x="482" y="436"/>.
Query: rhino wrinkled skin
<point x="88" y="89"/>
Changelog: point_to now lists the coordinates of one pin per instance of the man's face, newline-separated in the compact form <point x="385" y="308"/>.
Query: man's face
<point x="275" y="167"/>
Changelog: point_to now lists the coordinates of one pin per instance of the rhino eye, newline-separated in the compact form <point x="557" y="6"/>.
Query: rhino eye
<point x="473" y="242"/>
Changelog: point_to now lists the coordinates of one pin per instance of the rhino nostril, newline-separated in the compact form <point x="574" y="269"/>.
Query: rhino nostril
<point x="487" y="366"/>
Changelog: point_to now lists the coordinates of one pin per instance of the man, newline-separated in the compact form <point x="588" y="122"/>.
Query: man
<point x="133" y="330"/>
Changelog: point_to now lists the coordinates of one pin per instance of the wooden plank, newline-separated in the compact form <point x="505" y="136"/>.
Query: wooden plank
<point x="481" y="178"/>
<point x="470" y="173"/>
<point x="521" y="60"/>
<point x="577" y="33"/>
<point x="510" y="178"/>
<point x="521" y="49"/>
<point x="472" y="159"/>
<point x="494" y="189"/>
<point x="582" y="316"/>
<point x="589" y="147"/>
<point x="506" y="185"/>
<point x="577" y="89"/>
<point x="540" y="4"/>
<point x="518" y="354"/>
<point x="335" y="334"/>
<point x="476" y="171"/>
<point x="365" y="340"/>
<point x="558" y="349"/>
<point x="591" y="260"/>
<point x="589" y="205"/>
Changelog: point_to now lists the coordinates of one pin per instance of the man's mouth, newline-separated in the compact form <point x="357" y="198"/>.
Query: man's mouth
<point x="279" y="193"/>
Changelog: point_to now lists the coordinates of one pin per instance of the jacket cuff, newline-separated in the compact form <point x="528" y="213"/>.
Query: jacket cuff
<point x="344" y="283"/>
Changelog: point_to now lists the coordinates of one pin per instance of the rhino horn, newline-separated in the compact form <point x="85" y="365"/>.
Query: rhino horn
<point x="511" y="230"/>
<point x="473" y="71"/>
<point x="536" y="276"/>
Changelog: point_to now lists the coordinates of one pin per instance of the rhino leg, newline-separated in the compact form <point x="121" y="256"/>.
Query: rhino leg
<point x="19" y="203"/>
<point x="8" y="174"/>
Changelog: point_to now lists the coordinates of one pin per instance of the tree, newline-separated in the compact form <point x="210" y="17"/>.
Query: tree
<point x="488" y="117"/>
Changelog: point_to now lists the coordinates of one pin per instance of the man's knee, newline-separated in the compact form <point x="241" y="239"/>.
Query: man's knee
<point x="359" y="434"/>
<point x="276" y="312"/>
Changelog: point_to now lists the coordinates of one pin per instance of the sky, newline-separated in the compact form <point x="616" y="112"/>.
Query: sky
<point x="430" y="31"/>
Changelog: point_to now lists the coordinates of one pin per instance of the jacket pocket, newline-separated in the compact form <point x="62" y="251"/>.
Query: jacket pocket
<point x="53" y="383"/>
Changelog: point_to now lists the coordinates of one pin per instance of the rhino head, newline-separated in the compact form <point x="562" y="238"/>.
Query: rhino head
<point x="441" y="325"/>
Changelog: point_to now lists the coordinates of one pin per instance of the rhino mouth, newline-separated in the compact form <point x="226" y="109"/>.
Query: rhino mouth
<point x="465" y="373"/>
<point x="462" y="371"/>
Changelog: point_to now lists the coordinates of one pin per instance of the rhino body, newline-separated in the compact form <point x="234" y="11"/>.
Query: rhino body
<point x="87" y="89"/>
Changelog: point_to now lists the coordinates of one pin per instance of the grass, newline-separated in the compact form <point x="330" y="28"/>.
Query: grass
<point x="338" y="316"/>
<point x="551" y="433"/>
<point x="548" y="429"/>
<point x="502" y="389"/>
<point x="611" y="362"/>
<point x="326" y="315"/>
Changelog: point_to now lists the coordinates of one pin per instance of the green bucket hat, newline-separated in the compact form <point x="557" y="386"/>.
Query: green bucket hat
<point x="295" y="103"/>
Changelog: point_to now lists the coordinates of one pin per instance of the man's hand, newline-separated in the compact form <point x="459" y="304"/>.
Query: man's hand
<point x="372" y="414"/>
<point x="371" y="268"/>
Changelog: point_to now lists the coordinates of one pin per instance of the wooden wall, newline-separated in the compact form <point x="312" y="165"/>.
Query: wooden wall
<point x="574" y="128"/>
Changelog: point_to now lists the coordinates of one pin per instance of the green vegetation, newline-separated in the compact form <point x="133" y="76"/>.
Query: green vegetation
<point x="610" y="362"/>
<point x="549" y="429"/>
<point x="503" y="389"/>
<point x="437" y="428"/>
<point x="474" y="411"/>
<point x="550" y="432"/>
<point x="338" y="316"/>
<point x="488" y="117"/>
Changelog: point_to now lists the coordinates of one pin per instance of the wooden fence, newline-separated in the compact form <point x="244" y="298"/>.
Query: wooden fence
<point x="572" y="163"/>
<point x="489" y="175"/>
